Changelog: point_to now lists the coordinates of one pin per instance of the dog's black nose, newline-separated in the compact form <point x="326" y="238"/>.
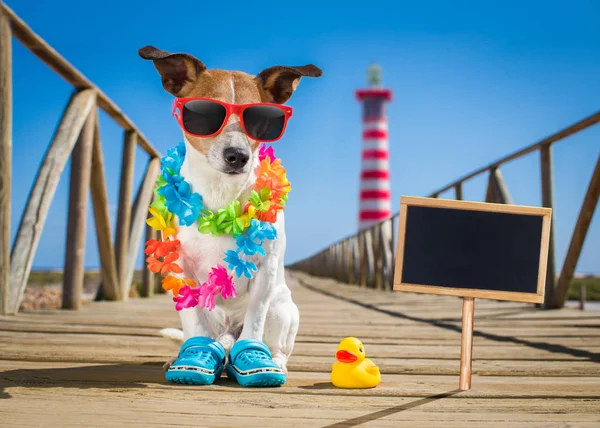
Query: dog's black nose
<point x="236" y="158"/>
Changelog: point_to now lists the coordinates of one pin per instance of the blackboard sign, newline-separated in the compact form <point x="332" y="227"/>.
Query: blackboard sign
<point x="472" y="249"/>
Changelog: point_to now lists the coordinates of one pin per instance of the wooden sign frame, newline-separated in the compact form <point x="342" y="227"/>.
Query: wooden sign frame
<point x="538" y="297"/>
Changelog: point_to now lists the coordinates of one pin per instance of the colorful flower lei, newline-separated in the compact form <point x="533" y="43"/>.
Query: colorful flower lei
<point x="251" y="225"/>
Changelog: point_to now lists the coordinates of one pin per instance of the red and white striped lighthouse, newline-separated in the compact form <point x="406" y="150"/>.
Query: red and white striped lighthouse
<point x="375" y="201"/>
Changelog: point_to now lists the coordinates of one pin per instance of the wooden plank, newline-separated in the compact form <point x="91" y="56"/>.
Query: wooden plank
<point x="64" y="69"/>
<point x="81" y="162"/>
<point x="5" y="159"/>
<point x="124" y="211"/>
<point x="590" y="202"/>
<point x="108" y="269"/>
<point x="38" y="204"/>
<point x="143" y="199"/>
<point x="548" y="201"/>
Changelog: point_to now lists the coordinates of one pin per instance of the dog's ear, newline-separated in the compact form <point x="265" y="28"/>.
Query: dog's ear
<point x="278" y="83"/>
<point x="179" y="71"/>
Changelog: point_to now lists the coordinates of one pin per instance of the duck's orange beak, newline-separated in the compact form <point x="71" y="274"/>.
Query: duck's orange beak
<point x="345" y="357"/>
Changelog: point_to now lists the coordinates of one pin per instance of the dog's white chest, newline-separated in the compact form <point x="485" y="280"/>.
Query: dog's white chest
<point x="200" y="252"/>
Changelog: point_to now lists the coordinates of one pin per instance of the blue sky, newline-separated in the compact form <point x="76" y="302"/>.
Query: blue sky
<point x="472" y="81"/>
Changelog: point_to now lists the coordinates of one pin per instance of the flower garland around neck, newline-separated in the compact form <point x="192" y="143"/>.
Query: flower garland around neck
<point x="251" y="225"/>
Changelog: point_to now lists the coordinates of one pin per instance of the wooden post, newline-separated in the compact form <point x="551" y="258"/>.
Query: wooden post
<point x="496" y="189"/>
<point x="378" y="256"/>
<point x="44" y="187"/>
<point x="466" y="343"/>
<point x="582" y="297"/>
<point x="393" y="254"/>
<point x="458" y="190"/>
<point x="124" y="214"/>
<point x="147" y="276"/>
<point x="362" y="258"/>
<point x="81" y="162"/>
<point x="548" y="201"/>
<point x="579" y="233"/>
<point x="108" y="269"/>
<point x="5" y="160"/>
<point x="143" y="199"/>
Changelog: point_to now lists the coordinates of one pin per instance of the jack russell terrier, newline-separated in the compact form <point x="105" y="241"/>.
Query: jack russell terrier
<point x="225" y="115"/>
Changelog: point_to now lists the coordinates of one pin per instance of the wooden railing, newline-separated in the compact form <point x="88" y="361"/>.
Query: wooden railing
<point x="78" y="136"/>
<point x="367" y="258"/>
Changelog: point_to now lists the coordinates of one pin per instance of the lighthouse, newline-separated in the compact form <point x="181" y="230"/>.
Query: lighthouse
<point x="375" y="201"/>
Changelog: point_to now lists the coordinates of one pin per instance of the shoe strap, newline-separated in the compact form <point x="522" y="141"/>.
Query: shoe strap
<point x="248" y="345"/>
<point x="205" y="342"/>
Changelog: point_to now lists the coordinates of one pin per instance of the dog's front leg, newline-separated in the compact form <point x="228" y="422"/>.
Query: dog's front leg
<point x="262" y="287"/>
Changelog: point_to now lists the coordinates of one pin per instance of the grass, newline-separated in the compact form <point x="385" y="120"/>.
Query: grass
<point x="592" y="288"/>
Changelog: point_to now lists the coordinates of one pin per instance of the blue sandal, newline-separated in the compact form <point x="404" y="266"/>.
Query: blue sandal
<point x="200" y="362"/>
<point x="251" y="364"/>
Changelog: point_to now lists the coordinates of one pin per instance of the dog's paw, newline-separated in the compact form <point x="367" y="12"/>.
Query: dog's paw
<point x="227" y="341"/>
<point x="281" y="361"/>
<point x="170" y="361"/>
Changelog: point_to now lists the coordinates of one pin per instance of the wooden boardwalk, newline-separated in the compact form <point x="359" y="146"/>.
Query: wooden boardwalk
<point x="101" y="366"/>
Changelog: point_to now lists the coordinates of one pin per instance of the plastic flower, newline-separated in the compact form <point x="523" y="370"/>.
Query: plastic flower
<point x="165" y="266"/>
<point x="261" y="231"/>
<point x="207" y="296"/>
<point x="249" y="246"/>
<point x="158" y="222"/>
<point x="174" y="159"/>
<point x="228" y="220"/>
<point x="180" y="200"/>
<point x="241" y="267"/>
<point x="268" y="168"/>
<point x="175" y="284"/>
<point x="187" y="298"/>
<point x="219" y="277"/>
<point x="259" y="200"/>
<point x="266" y="152"/>
<point x="161" y="248"/>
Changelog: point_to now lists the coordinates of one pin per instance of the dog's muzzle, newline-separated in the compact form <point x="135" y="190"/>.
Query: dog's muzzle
<point x="235" y="159"/>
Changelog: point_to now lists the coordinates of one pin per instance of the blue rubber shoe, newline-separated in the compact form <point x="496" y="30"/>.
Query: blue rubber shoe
<point x="251" y="364"/>
<point x="200" y="362"/>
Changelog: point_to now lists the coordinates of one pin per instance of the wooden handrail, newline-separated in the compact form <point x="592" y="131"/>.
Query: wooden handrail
<point x="560" y="135"/>
<point x="24" y="34"/>
<point x="78" y="136"/>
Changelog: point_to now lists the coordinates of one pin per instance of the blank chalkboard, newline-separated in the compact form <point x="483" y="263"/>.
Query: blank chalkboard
<point x="472" y="249"/>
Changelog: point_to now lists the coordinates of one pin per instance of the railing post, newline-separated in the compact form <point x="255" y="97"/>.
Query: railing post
<point x="124" y="214"/>
<point x="579" y="233"/>
<point x="458" y="190"/>
<point x="147" y="276"/>
<point x="42" y="192"/>
<point x="392" y="259"/>
<point x="582" y="296"/>
<point x="81" y="162"/>
<point x="143" y="199"/>
<point x="378" y="256"/>
<point x="5" y="159"/>
<point x="108" y="270"/>
<point x="362" y="255"/>
<point x="548" y="201"/>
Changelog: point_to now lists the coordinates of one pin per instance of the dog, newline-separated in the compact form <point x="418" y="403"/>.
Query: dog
<point x="221" y="169"/>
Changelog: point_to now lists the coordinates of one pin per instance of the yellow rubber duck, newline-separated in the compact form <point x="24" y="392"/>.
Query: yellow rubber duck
<point x="354" y="370"/>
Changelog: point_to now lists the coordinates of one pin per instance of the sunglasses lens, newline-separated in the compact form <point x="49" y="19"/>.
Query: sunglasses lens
<point x="202" y="117"/>
<point x="264" y="123"/>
